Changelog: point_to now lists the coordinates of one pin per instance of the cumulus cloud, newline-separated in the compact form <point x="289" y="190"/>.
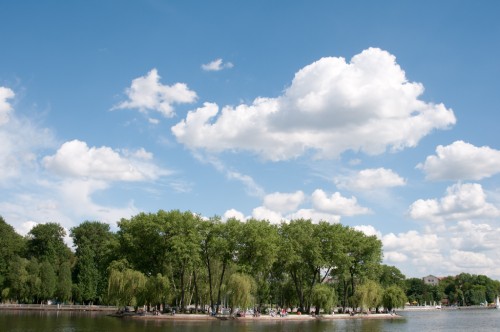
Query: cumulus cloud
<point x="146" y="93"/>
<point x="337" y="204"/>
<point x="232" y="213"/>
<point x="263" y="213"/>
<point x="284" y="202"/>
<point x="75" y="159"/>
<point x="370" y="179"/>
<point x="330" y="107"/>
<point x="315" y="216"/>
<point x="368" y="230"/>
<point x="217" y="65"/>
<point x="461" y="202"/>
<point x="5" y="107"/>
<point x="461" y="161"/>
<point x="283" y="207"/>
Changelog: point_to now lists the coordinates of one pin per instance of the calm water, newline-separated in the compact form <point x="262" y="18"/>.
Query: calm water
<point x="445" y="320"/>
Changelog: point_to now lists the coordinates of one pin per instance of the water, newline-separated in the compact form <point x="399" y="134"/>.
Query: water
<point x="444" y="320"/>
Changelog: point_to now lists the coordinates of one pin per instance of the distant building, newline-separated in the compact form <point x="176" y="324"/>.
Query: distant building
<point x="431" y="280"/>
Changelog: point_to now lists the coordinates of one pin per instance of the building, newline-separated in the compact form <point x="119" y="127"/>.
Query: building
<point x="431" y="280"/>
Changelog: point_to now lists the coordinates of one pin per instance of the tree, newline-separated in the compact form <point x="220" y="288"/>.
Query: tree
<point x="64" y="283"/>
<point x="48" y="281"/>
<point x="323" y="297"/>
<point x="11" y="244"/>
<point x="126" y="287"/>
<point x="391" y="275"/>
<point x="87" y="275"/>
<point x="368" y="295"/>
<point x="18" y="279"/>
<point x="241" y="288"/>
<point x="258" y="251"/>
<point x="46" y="243"/>
<point x="157" y="290"/>
<point x="34" y="281"/>
<point x="96" y="246"/>
<point x="394" y="297"/>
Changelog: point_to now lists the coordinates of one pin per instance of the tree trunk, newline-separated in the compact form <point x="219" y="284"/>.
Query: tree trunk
<point x="220" y="285"/>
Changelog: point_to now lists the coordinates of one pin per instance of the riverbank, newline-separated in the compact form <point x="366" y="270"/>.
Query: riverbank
<point x="58" y="307"/>
<point x="198" y="317"/>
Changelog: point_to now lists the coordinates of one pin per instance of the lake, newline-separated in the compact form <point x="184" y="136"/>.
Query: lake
<point x="432" y="320"/>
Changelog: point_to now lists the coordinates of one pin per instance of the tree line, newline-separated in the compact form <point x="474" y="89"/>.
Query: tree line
<point x="179" y="259"/>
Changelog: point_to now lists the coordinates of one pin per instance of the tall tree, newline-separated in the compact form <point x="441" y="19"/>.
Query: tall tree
<point x="96" y="246"/>
<point x="64" y="283"/>
<point x="11" y="244"/>
<point x="48" y="281"/>
<point x="258" y="251"/>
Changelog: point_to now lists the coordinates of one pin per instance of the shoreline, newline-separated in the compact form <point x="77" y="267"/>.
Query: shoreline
<point x="202" y="317"/>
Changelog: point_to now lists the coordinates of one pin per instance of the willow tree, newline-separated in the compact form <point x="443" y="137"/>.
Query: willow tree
<point x="368" y="295"/>
<point x="393" y="297"/>
<point x="240" y="288"/>
<point x="157" y="290"/>
<point x="126" y="287"/>
<point x="323" y="297"/>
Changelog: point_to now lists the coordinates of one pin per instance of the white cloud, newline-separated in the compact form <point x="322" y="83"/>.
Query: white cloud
<point x="263" y="213"/>
<point x="462" y="202"/>
<point x="146" y="93"/>
<point x="467" y="236"/>
<point x="337" y="204"/>
<point x="330" y="107"/>
<point x="20" y="142"/>
<point x="284" y="202"/>
<point x="5" y="107"/>
<point x="232" y="213"/>
<point x="217" y="65"/>
<point x="461" y="161"/>
<point x="314" y="215"/>
<point x="467" y="259"/>
<point x="76" y="159"/>
<point x="370" y="179"/>
<point x="368" y="230"/>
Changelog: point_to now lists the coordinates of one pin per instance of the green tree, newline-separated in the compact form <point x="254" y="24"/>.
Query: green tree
<point x="46" y="243"/>
<point x="64" y="283"/>
<point x="257" y="253"/>
<point x="96" y="246"/>
<point x="11" y="245"/>
<point x="34" y="281"/>
<point x="48" y="281"/>
<point x="368" y="295"/>
<point x="323" y="297"/>
<point x="391" y="275"/>
<point x="126" y="287"/>
<point x="157" y="290"/>
<point x="18" y="279"/>
<point x="394" y="297"/>
<point x="241" y="288"/>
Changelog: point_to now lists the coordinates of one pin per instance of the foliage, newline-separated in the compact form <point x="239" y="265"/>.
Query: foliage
<point x="368" y="295"/>
<point x="393" y="297"/>
<point x="241" y="288"/>
<point x="323" y="297"/>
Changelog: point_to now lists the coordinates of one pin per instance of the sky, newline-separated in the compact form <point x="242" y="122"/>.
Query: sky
<point x="380" y="115"/>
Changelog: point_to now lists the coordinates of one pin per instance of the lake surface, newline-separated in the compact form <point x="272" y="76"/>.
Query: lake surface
<point x="435" y="320"/>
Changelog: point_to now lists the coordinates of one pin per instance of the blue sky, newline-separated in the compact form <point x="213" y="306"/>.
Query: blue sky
<point x="381" y="115"/>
